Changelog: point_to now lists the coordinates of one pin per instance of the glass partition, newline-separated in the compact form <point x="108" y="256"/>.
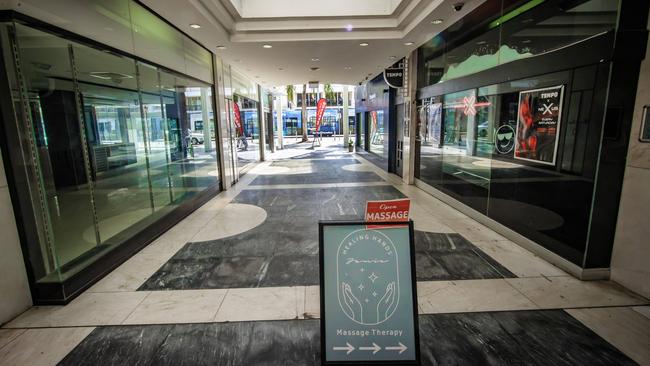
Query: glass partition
<point x="530" y="28"/>
<point x="118" y="144"/>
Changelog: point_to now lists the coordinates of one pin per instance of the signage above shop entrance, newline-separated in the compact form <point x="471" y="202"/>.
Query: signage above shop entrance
<point x="394" y="75"/>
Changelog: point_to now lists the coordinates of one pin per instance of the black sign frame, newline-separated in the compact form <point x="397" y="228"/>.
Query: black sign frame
<point x="321" y="274"/>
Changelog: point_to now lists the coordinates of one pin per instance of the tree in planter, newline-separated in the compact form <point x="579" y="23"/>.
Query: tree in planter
<point x="329" y="93"/>
<point x="290" y="91"/>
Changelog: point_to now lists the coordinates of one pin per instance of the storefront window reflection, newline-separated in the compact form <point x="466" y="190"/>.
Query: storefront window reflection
<point x="120" y="144"/>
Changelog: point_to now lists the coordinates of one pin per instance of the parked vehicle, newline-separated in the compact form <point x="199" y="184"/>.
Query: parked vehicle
<point x="197" y="138"/>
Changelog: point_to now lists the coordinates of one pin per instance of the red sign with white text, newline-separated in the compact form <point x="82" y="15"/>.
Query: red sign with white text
<point x="238" y="124"/>
<point x="320" y="110"/>
<point x="387" y="211"/>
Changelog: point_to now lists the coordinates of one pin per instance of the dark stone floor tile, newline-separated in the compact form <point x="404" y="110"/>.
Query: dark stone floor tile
<point x="181" y="274"/>
<point x="293" y="270"/>
<point x="427" y="269"/>
<point x="236" y="272"/>
<point x="544" y="338"/>
<point x="465" y="265"/>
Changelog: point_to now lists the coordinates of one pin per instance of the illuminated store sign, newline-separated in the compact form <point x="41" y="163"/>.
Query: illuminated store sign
<point x="468" y="105"/>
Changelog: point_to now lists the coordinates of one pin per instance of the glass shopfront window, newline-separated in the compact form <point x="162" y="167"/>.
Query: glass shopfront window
<point x="118" y="144"/>
<point x="470" y="145"/>
<point x="249" y="142"/>
<point x="526" y="30"/>
<point x="378" y="134"/>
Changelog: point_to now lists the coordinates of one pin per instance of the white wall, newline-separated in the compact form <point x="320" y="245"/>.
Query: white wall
<point x="14" y="288"/>
<point x="631" y="255"/>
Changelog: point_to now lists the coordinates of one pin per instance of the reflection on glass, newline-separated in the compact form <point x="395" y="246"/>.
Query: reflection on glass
<point x="543" y="28"/>
<point x="58" y="143"/>
<point x="378" y="134"/>
<point x="118" y="143"/>
<point x="249" y="136"/>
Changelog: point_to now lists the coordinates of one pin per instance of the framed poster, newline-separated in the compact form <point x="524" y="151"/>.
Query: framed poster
<point x="368" y="294"/>
<point x="538" y="124"/>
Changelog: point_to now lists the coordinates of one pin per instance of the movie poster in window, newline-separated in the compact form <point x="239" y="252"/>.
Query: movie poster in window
<point x="435" y="124"/>
<point x="538" y="124"/>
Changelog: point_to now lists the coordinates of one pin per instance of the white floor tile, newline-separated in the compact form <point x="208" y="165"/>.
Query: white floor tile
<point x="134" y="272"/>
<point x="569" y="292"/>
<point x="8" y="335"/>
<point x="233" y="219"/>
<point x="312" y="302"/>
<point x="424" y="221"/>
<point x="89" y="309"/>
<point x="45" y="347"/>
<point x="169" y="307"/>
<point x="643" y="310"/>
<point x="472" y="230"/>
<point x="265" y="303"/>
<point x="470" y="296"/>
<point x="623" y="327"/>
<point x="518" y="260"/>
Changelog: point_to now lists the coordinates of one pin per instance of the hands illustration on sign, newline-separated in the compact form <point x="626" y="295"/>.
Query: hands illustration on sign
<point x="385" y="305"/>
<point x="353" y="306"/>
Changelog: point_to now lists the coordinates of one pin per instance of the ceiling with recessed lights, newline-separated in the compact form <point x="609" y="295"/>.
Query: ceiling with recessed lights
<point x="281" y="42"/>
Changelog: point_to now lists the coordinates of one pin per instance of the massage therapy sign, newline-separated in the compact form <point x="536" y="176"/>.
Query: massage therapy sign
<point x="387" y="211"/>
<point x="368" y="297"/>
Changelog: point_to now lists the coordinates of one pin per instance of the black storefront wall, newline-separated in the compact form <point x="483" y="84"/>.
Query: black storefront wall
<point x="600" y="78"/>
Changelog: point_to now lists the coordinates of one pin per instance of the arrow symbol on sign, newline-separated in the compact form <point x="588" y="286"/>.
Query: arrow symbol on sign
<point x="401" y="348"/>
<point x="348" y="348"/>
<point x="375" y="348"/>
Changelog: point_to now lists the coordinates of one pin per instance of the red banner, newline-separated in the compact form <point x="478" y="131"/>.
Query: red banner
<point x="320" y="110"/>
<point x="238" y="124"/>
<point x="388" y="211"/>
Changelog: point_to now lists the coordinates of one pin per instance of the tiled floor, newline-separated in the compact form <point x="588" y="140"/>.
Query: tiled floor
<point x="240" y="279"/>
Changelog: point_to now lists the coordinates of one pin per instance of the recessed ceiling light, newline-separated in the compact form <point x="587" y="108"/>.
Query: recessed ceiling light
<point x="267" y="46"/>
<point x="221" y="47"/>
<point x="348" y="68"/>
<point x="436" y="21"/>
<point x="408" y="43"/>
<point x="363" y="44"/>
<point x="315" y="59"/>
<point x="195" y="26"/>
<point x="349" y="27"/>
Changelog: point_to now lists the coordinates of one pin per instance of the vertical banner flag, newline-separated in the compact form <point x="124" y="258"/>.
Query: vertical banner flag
<point x="238" y="124"/>
<point x="320" y="110"/>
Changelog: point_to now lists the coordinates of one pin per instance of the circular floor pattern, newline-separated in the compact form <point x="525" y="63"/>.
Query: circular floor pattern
<point x="357" y="168"/>
<point x="234" y="219"/>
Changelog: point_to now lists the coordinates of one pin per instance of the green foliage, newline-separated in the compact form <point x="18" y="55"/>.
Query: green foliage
<point x="329" y="92"/>
<point x="290" y="93"/>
